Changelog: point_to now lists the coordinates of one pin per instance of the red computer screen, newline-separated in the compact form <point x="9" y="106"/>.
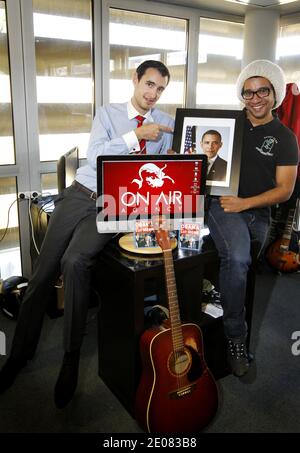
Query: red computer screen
<point x="142" y="186"/>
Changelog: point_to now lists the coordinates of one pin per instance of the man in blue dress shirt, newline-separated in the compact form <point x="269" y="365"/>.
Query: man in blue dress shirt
<point x="72" y="241"/>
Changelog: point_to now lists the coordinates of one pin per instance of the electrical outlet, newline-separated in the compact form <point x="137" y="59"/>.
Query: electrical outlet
<point x="33" y="195"/>
<point x="24" y="195"/>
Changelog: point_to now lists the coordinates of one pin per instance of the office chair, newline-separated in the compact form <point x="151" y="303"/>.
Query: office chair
<point x="67" y="165"/>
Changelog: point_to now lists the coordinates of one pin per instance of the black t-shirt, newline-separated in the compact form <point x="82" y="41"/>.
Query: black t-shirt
<point x="264" y="148"/>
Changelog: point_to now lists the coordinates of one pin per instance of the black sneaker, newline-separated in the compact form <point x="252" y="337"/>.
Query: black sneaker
<point x="9" y="372"/>
<point x="237" y="356"/>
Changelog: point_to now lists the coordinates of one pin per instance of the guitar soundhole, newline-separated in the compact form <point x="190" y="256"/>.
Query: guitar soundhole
<point x="179" y="362"/>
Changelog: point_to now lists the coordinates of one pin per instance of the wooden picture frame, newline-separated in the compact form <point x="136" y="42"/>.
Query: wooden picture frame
<point x="194" y="127"/>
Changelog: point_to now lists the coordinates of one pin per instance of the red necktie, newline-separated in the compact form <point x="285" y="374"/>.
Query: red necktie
<point x="140" y="119"/>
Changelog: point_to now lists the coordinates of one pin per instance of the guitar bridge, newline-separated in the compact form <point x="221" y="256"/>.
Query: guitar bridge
<point x="179" y="393"/>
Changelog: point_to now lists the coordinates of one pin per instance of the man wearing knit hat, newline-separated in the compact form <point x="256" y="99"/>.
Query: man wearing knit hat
<point x="267" y="176"/>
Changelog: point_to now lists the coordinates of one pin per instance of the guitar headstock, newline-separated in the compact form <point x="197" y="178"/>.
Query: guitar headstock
<point x="161" y="229"/>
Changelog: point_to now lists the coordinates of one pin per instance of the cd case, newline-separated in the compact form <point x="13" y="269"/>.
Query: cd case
<point x="189" y="236"/>
<point x="144" y="234"/>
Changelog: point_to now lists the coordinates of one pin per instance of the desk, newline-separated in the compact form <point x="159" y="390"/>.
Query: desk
<point x="124" y="281"/>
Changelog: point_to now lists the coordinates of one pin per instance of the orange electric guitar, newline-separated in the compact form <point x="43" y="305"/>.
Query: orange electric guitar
<point x="278" y="254"/>
<point x="177" y="392"/>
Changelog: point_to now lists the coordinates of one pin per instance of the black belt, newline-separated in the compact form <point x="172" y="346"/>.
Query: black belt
<point x="78" y="186"/>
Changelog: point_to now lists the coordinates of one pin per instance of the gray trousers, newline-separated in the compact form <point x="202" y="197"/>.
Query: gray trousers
<point x="70" y="247"/>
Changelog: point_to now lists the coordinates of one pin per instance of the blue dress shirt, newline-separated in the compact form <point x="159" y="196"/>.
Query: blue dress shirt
<point x="112" y="134"/>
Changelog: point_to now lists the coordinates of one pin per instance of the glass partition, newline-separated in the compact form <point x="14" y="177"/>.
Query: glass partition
<point x="219" y="63"/>
<point x="288" y="52"/>
<point x="10" y="260"/>
<point x="7" y="154"/>
<point x="135" y="37"/>
<point x="63" y="46"/>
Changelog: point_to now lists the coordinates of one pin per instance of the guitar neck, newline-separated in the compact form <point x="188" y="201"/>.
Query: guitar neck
<point x="177" y="336"/>
<point x="287" y="233"/>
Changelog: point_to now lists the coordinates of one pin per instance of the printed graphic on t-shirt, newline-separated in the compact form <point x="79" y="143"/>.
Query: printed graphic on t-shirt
<point x="267" y="146"/>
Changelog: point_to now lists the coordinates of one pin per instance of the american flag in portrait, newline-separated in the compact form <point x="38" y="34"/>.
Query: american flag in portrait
<point x="189" y="141"/>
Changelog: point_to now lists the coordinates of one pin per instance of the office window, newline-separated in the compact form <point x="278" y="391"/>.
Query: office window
<point x="63" y="45"/>
<point x="49" y="184"/>
<point x="7" y="154"/>
<point x="10" y="260"/>
<point x="135" y="37"/>
<point x="288" y="52"/>
<point x="219" y="63"/>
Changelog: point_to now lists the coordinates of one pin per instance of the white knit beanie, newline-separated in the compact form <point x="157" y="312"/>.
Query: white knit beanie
<point x="268" y="70"/>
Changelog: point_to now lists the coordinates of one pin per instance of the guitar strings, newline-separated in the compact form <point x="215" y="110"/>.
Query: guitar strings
<point x="170" y="277"/>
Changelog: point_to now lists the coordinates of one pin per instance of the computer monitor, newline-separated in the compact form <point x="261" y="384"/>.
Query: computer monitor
<point x="131" y="188"/>
<point x="67" y="166"/>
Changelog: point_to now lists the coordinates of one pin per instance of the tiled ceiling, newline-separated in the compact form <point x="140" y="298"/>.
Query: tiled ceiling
<point x="238" y="7"/>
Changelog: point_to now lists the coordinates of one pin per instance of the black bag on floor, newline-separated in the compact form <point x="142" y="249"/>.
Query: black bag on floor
<point x="12" y="291"/>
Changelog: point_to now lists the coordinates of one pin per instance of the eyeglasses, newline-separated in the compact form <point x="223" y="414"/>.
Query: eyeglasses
<point x="262" y="92"/>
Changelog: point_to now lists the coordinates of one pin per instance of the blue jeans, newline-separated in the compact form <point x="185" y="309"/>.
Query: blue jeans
<point x="232" y="234"/>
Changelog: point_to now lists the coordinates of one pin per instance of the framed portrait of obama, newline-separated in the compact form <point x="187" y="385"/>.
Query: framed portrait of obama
<point x="218" y="134"/>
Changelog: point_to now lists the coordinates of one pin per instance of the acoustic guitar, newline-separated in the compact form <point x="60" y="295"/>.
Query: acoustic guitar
<point x="278" y="254"/>
<point x="177" y="392"/>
